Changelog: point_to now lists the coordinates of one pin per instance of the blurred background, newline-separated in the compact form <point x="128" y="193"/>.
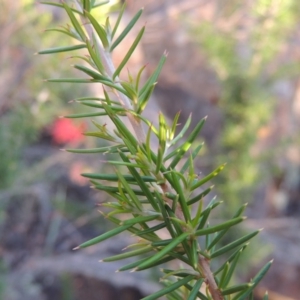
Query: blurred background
<point x="235" y="61"/>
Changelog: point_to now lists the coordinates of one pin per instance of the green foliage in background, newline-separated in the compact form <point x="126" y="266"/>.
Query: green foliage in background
<point x="152" y="180"/>
<point x="246" y="58"/>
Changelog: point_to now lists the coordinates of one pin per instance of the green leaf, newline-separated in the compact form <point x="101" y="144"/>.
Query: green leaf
<point x="222" y="283"/>
<point x="182" y="131"/>
<point x="152" y="79"/>
<point x="141" y="219"/>
<point x="104" y="236"/>
<point x="108" y="149"/>
<point x="129" y="53"/>
<point x="92" y="73"/>
<point x="236" y="288"/>
<point x="62" y="49"/>
<point x="181" y="198"/>
<point x="86" y="115"/>
<point x="232" y="268"/>
<point x="60" y="5"/>
<point x="95" y="5"/>
<point x="118" y="20"/>
<point x="193" y="156"/>
<point x="126" y="135"/>
<point x="231" y="258"/>
<point x="142" y="102"/>
<point x="173" y="127"/>
<point x="169" y="288"/>
<point x="266" y="296"/>
<point x="164" y="251"/>
<point x="194" y="292"/>
<point x="68" y="33"/>
<point x="99" y="29"/>
<point x="114" y="177"/>
<point x="74" y="21"/>
<point x="136" y="263"/>
<point x="136" y="252"/>
<point x="180" y="151"/>
<point x="152" y="229"/>
<point x="178" y="273"/>
<point x="219" y="227"/>
<point x="141" y="182"/>
<point x="95" y="57"/>
<point x="208" y="177"/>
<point x="165" y="215"/>
<point x="222" y="233"/>
<point x="70" y="80"/>
<point x="125" y="31"/>
<point x="259" y="276"/>
<point x="200" y="196"/>
<point x="234" y="244"/>
<point x="193" y="288"/>
<point x="162" y="139"/>
<point x="86" y="6"/>
<point x="194" y="256"/>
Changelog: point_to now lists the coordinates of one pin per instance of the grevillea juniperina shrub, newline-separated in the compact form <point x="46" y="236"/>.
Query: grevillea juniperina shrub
<point x="153" y="188"/>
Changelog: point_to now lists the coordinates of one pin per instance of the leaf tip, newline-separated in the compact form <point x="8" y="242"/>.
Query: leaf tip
<point x="76" y="248"/>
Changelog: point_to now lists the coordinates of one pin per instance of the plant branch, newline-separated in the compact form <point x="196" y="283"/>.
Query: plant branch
<point x="110" y="69"/>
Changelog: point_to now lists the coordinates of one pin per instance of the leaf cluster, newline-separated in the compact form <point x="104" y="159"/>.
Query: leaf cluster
<point x="158" y="188"/>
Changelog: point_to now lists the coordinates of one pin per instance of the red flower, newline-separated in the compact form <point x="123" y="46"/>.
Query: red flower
<point x="66" y="131"/>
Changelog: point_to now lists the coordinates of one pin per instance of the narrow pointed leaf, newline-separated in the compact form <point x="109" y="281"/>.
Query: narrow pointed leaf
<point x="200" y="196"/>
<point x="114" y="177"/>
<point x="97" y="4"/>
<point x="222" y="233"/>
<point x="90" y="72"/>
<point x="208" y="177"/>
<point x="232" y="268"/>
<point x="109" y="149"/>
<point x="152" y="229"/>
<point x="231" y="258"/>
<point x="125" y="31"/>
<point x="194" y="154"/>
<point x="219" y="227"/>
<point x="194" y="292"/>
<point x="164" y="251"/>
<point x="141" y="219"/>
<point x="104" y="236"/>
<point x="99" y="29"/>
<point x="234" y="244"/>
<point x="74" y="21"/>
<point x="199" y="294"/>
<point x="223" y="277"/>
<point x="181" y="198"/>
<point x="129" y="53"/>
<point x="136" y="263"/>
<point x="96" y="59"/>
<point x="69" y="33"/>
<point x="128" y="254"/>
<point x="86" y="115"/>
<point x="118" y="20"/>
<point x="182" y="131"/>
<point x="169" y="288"/>
<point x="70" y="80"/>
<point x="141" y="182"/>
<point x="185" y="146"/>
<point x="259" y="276"/>
<point x="153" y="78"/>
<point x="130" y="192"/>
<point x="62" y="49"/>
<point x="236" y="289"/>
<point x="60" y="5"/>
